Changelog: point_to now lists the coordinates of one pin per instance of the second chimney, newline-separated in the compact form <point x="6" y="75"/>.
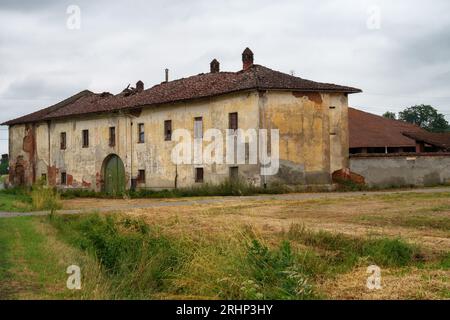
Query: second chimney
<point x="247" y="59"/>
<point x="214" y="66"/>
<point x="167" y="75"/>
<point x="139" y="86"/>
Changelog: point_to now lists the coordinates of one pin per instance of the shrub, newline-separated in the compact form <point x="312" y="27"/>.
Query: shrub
<point x="44" y="198"/>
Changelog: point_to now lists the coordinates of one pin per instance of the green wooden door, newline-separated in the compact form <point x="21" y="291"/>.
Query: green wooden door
<point x="114" y="176"/>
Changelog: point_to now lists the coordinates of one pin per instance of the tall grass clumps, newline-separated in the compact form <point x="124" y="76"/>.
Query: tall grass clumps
<point x="348" y="250"/>
<point x="144" y="261"/>
<point x="44" y="198"/>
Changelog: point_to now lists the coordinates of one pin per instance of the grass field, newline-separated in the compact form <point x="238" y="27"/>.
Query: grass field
<point x="241" y="249"/>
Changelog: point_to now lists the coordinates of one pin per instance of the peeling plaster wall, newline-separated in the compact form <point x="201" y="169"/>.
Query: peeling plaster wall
<point x="154" y="156"/>
<point x="21" y="154"/>
<point x="313" y="136"/>
<point x="307" y="150"/>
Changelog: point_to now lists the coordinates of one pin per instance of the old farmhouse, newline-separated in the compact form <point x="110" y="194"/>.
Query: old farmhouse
<point x="115" y="142"/>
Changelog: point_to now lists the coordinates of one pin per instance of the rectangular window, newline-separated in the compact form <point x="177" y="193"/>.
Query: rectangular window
<point x="63" y="178"/>
<point x="198" y="174"/>
<point x="85" y="138"/>
<point x="63" y="141"/>
<point x="234" y="174"/>
<point x="168" y="130"/>
<point x="141" y="176"/>
<point x="198" y="128"/>
<point x="44" y="177"/>
<point x="141" y="132"/>
<point x="112" y="136"/>
<point x="233" y="121"/>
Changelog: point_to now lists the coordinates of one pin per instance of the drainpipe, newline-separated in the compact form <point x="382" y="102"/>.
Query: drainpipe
<point x="49" y="153"/>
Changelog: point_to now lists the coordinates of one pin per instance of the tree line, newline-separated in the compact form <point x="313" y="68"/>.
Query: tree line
<point x="425" y="116"/>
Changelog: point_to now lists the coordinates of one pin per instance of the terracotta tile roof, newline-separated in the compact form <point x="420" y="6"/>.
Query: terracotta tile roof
<point x="43" y="113"/>
<point x="369" y="130"/>
<point x="440" y="140"/>
<point x="200" y="86"/>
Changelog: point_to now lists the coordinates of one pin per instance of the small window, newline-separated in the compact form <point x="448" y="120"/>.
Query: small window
<point x="141" y="132"/>
<point x="234" y="174"/>
<point x="141" y="176"/>
<point x="44" y="177"/>
<point x="63" y="178"/>
<point x="63" y="141"/>
<point x="85" y="138"/>
<point x="198" y="128"/>
<point x="233" y="121"/>
<point x="168" y="130"/>
<point x="112" y="136"/>
<point x="199" y="175"/>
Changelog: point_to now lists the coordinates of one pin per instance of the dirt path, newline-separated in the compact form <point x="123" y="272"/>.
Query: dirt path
<point x="107" y="205"/>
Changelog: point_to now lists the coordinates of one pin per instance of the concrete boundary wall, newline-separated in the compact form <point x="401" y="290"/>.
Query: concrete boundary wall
<point x="384" y="170"/>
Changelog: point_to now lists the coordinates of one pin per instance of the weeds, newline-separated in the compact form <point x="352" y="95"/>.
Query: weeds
<point x="145" y="263"/>
<point x="226" y="188"/>
<point x="346" y="251"/>
<point x="44" y="198"/>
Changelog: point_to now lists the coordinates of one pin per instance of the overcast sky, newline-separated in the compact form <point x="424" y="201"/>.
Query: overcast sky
<point x="400" y="59"/>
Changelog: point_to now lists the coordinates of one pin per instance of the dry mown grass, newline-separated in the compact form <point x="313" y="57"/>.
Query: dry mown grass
<point x="419" y="219"/>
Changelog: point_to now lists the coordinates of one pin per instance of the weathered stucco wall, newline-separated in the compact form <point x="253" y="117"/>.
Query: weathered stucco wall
<point x="154" y="156"/>
<point x="313" y="141"/>
<point x="313" y="134"/>
<point x="417" y="170"/>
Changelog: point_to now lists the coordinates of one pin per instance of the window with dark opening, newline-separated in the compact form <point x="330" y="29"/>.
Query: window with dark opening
<point x="112" y="136"/>
<point x="141" y="176"/>
<point x="63" y="141"/>
<point x="234" y="174"/>
<point x="168" y="130"/>
<point x="198" y="174"/>
<point x="198" y="128"/>
<point x="85" y="138"/>
<point x="141" y="132"/>
<point x="44" y="177"/>
<point x="63" y="178"/>
<point x="233" y="121"/>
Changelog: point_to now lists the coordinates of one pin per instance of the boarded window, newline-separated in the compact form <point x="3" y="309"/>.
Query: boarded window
<point x="168" y="130"/>
<point x="63" y="178"/>
<point x="112" y="136"/>
<point x="141" y="176"/>
<point x="85" y="138"/>
<point x="141" y="133"/>
<point x="234" y="174"/>
<point x="63" y="141"/>
<point x="198" y="128"/>
<point x="198" y="174"/>
<point x="233" y="121"/>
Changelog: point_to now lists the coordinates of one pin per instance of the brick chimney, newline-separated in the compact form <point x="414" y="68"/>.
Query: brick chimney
<point x="214" y="66"/>
<point x="139" y="86"/>
<point x="247" y="59"/>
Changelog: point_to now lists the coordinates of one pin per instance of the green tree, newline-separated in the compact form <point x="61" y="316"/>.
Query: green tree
<point x="390" y="115"/>
<point x="3" y="167"/>
<point x="425" y="116"/>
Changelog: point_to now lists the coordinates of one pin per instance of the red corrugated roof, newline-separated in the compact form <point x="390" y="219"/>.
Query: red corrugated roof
<point x="199" y="86"/>
<point x="369" y="130"/>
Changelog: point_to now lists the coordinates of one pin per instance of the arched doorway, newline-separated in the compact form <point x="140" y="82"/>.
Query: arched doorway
<point x="113" y="175"/>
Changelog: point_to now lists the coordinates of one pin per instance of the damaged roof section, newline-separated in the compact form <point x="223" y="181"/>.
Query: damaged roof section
<point x="255" y="77"/>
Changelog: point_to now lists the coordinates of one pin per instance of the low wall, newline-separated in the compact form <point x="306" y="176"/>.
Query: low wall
<point x="385" y="170"/>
